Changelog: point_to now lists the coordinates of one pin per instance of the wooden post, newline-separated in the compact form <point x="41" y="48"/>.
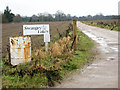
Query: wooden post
<point x="46" y="46"/>
<point x="74" y="35"/>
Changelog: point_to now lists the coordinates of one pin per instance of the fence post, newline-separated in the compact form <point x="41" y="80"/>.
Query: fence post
<point x="74" y="34"/>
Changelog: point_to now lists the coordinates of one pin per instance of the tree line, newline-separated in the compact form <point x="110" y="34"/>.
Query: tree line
<point x="8" y="17"/>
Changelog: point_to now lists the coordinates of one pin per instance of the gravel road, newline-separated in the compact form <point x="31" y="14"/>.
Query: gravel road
<point x="103" y="72"/>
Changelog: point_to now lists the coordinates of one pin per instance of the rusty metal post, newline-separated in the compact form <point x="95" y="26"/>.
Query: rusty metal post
<point x="74" y="34"/>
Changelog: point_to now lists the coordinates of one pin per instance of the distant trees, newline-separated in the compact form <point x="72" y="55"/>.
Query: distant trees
<point x="7" y="16"/>
<point x="25" y="19"/>
<point x="17" y="18"/>
<point x="60" y="16"/>
<point x="34" y="18"/>
<point x="68" y="17"/>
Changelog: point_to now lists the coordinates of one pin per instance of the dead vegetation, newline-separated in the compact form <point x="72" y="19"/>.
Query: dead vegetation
<point x="60" y="47"/>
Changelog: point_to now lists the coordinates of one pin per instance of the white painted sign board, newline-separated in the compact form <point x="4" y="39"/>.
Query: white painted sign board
<point x="46" y="37"/>
<point x="35" y="29"/>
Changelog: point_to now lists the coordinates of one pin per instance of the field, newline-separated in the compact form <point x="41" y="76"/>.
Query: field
<point x="9" y="30"/>
<point x="107" y="24"/>
<point x="45" y="68"/>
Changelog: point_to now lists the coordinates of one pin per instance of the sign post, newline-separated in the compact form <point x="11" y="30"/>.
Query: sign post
<point x="46" y="40"/>
<point x="46" y="46"/>
<point x="74" y="35"/>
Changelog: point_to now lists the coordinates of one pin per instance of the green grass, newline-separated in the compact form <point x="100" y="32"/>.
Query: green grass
<point x="82" y="55"/>
<point x="30" y="76"/>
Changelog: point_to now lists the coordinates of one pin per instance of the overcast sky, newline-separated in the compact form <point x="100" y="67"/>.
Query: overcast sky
<point x="73" y="7"/>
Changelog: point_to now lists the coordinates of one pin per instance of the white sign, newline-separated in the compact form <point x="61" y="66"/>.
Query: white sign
<point x="35" y="29"/>
<point x="46" y="37"/>
<point x="20" y="50"/>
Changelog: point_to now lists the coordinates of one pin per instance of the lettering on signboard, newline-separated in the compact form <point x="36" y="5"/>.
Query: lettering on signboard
<point x="35" y="29"/>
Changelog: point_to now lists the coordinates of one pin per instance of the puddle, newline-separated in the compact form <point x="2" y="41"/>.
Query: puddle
<point x="110" y="58"/>
<point x="102" y="76"/>
<point x="100" y="38"/>
<point x="115" y="49"/>
<point x="89" y="30"/>
<point x="112" y="43"/>
<point x="94" y="75"/>
<point x="94" y="64"/>
<point x="90" y="35"/>
<point x="91" y="67"/>
<point x="105" y="48"/>
<point x="97" y="39"/>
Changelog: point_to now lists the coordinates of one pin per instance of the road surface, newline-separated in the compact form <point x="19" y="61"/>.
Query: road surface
<point x="103" y="72"/>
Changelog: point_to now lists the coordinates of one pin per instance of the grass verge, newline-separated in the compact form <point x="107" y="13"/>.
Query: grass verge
<point x="103" y="25"/>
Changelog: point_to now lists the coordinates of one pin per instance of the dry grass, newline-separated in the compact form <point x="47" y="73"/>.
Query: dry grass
<point x="40" y="53"/>
<point x="60" y="48"/>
